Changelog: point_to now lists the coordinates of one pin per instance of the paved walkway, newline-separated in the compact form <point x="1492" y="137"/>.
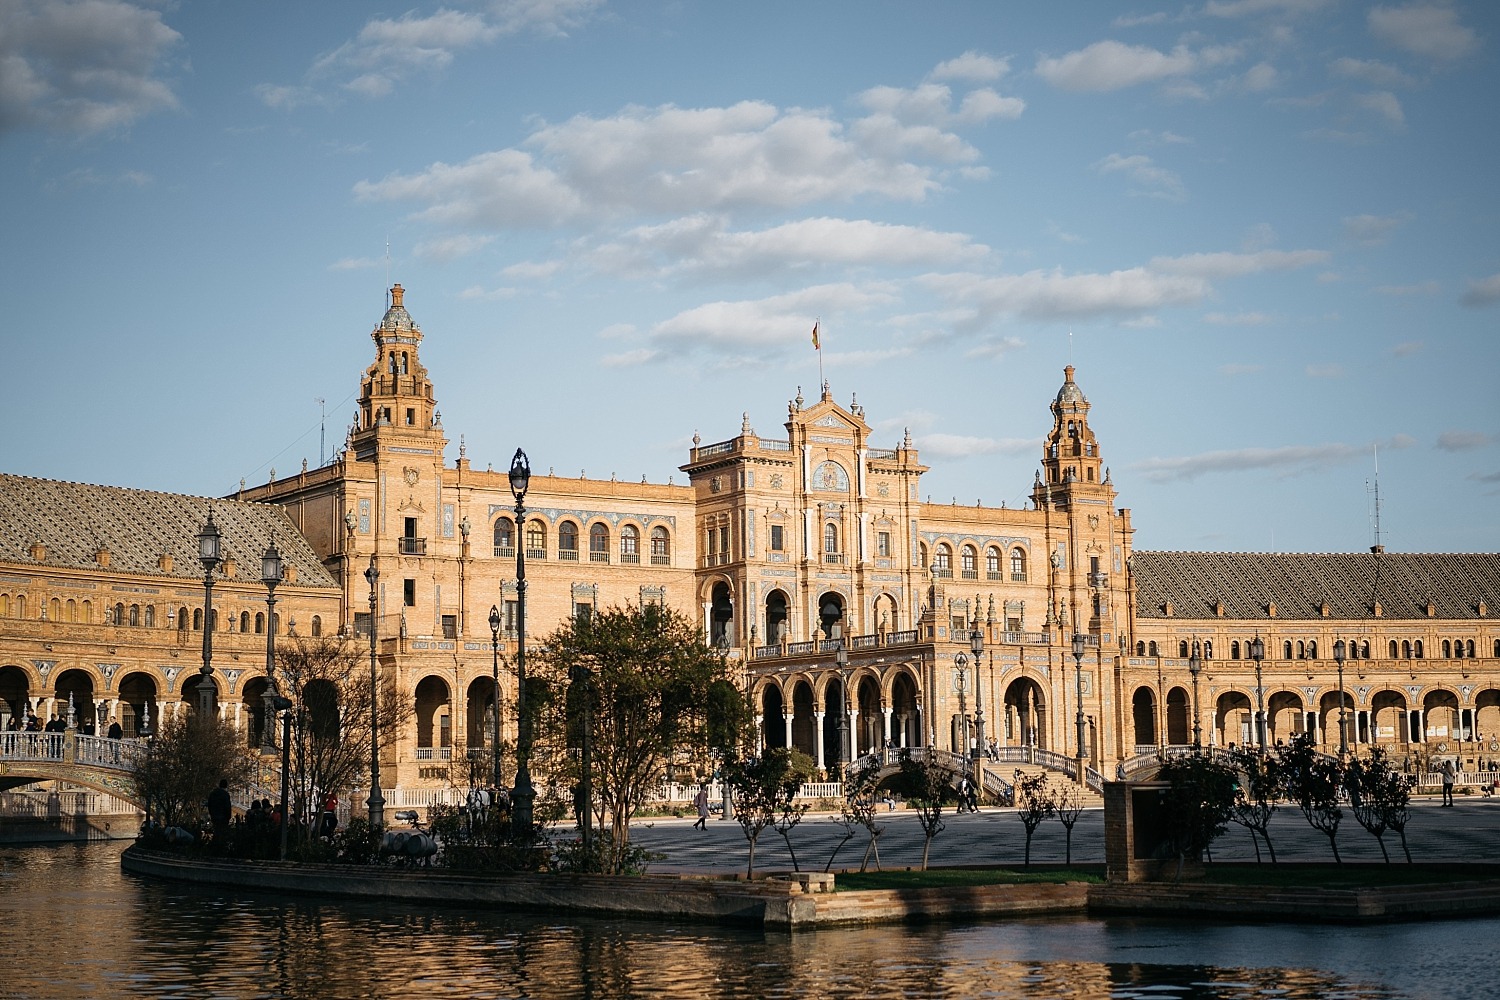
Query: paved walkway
<point x="1467" y="832"/>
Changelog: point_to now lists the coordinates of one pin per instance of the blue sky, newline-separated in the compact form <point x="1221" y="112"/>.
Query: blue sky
<point x="1265" y="231"/>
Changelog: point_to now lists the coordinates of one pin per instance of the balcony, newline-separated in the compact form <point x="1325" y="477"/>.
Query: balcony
<point x="942" y="572"/>
<point x="657" y="560"/>
<point x="599" y="557"/>
<point x="836" y="558"/>
<point x="505" y="551"/>
<point x="413" y="546"/>
<point x="566" y="555"/>
<point x="632" y="558"/>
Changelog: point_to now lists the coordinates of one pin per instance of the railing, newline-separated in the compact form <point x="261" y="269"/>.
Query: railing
<point x="877" y="453"/>
<point x="657" y="560"/>
<point x="600" y="557"/>
<point x="836" y="558"/>
<point x="434" y="753"/>
<point x="564" y="555"/>
<point x="1025" y="638"/>
<point x="630" y="557"/>
<point x="767" y="444"/>
<point x="905" y="638"/>
<point x="722" y="448"/>
<point x="413" y="546"/>
<point x="942" y="572"/>
<point x="505" y="551"/>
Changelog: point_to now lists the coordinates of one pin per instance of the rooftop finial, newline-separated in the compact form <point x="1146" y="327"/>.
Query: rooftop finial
<point x="396" y="292"/>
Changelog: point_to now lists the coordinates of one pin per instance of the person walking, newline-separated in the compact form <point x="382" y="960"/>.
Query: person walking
<point x="1449" y="773"/>
<point x="220" y="808"/>
<point x="701" y="801"/>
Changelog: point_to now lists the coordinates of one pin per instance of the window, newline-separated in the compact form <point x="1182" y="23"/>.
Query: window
<point x="1140" y="649"/>
<point x="567" y="541"/>
<point x="450" y="626"/>
<point x="536" y="540"/>
<point x="583" y="612"/>
<point x="661" y="547"/>
<point x="245" y="621"/>
<point x="317" y="626"/>
<point x="778" y="538"/>
<point x="969" y="562"/>
<point x="135" y="615"/>
<point x="992" y="564"/>
<point x="1182" y="648"/>
<point x="260" y="624"/>
<point x="630" y="544"/>
<point x="883" y="544"/>
<point x="505" y="537"/>
<point x="830" y="539"/>
<point x="1286" y="650"/>
<point x="1234" y="650"/>
<point x="408" y="594"/>
<point x="1152" y="648"/>
<point x="197" y="619"/>
<point x="922" y="554"/>
<point x="942" y="563"/>
<point x="150" y="616"/>
<point x="1018" y="565"/>
<point x="599" y="544"/>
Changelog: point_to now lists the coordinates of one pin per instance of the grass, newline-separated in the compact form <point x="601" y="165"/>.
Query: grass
<point x="1345" y="876"/>
<point x="937" y="878"/>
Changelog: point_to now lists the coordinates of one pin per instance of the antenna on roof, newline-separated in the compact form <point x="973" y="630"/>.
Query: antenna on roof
<point x="1374" y="488"/>
<point x="387" y="272"/>
<point x="322" y="431"/>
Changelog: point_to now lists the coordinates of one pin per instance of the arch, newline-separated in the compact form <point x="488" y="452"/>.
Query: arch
<point x="137" y="710"/>
<point x="804" y="725"/>
<point x="317" y="626"/>
<point x="321" y="697"/>
<point x="567" y="540"/>
<point x="1234" y="649"/>
<point x="1140" y="647"/>
<point x="536" y="538"/>
<point x="1285" y="716"/>
<point x="777" y="621"/>
<point x="15" y="695"/>
<point x="834" y="721"/>
<point x="661" y="546"/>
<point x="772" y="717"/>
<point x="197" y="619"/>
<point x="942" y="561"/>
<point x="887" y="613"/>
<point x="1440" y="715"/>
<point x="922" y="561"/>
<point x="253" y="699"/>
<point x="1388" y="717"/>
<point x="906" y="712"/>
<point x="1025" y="722"/>
<point x="868" y="724"/>
<point x="721" y="616"/>
<point x="195" y="682"/>
<point x="1286" y="650"/>
<point x="831" y="539"/>
<point x="1328" y="717"/>
<point x="1487" y="714"/>
<point x="134" y="614"/>
<point x="1018" y="567"/>
<point x="831" y="611"/>
<point x="599" y="542"/>
<point x="1143" y="718"/>
<point x="1151" y="646"/>
<point x="1182" y="648"/>
<point x="433" y="713"/>
<point x="992" y="563"/>
<point x="1179" y="721"/>
<point x="968" y="562"/>
<point x="480" y="700"/>
<point x="80" y="685"/>
<point x="150" y="617"/>
<point x="503" y="537"/>
<point x="260" y="623"/>
<point x="630" y="543"/>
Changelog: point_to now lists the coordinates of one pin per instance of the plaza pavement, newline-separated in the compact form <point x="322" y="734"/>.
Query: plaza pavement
<point x="1466" y="832"/>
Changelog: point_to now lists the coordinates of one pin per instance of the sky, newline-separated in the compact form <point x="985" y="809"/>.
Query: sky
<point x="1266" y="233"/>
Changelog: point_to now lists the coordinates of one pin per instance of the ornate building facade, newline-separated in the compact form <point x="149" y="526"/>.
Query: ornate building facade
<point x="855" y="614"/>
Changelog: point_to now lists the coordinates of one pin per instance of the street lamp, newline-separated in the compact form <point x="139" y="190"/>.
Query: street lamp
<point x="1080" y="644"/>
<point x="495" y="671"/>
<point x="1339" y="651"/>
<point x="1195" y="666"/>
<point x="376" y="802"/>
<point x="210" y="554"/>
<point x="961" y="667"/>
<point x="272" y="572"/>
<point x="520" y="478"/>
<point x="1258" y="653"/>
<point x="976" y="646"/>
<point x="841" y="657"/>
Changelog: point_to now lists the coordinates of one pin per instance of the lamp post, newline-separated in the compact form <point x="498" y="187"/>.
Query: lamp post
<point x="1258" y="653"/>
<point x="210" y="554"/>
<point x="841" y="657"/>
<point x="376" y="802"/>
<point x="284" y="706"/>
<point x="520" y="478"/>
<point x="1195" y="666"/>
<point x="1339" y="652"/>
<point x="976" y="646"/>
<point x="961" y="667"/>
<point x="272" y="572"/>
<point x="495" y="672"/>
<point x="1079" y="646"/>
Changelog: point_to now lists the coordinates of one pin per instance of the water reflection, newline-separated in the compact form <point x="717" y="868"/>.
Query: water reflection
<point x="81" y="929"/>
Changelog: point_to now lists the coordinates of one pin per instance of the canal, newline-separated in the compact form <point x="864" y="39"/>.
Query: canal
<point x="75" y="927"/>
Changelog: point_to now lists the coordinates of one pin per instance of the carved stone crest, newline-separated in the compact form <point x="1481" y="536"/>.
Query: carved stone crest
<point x="410" y="475"/>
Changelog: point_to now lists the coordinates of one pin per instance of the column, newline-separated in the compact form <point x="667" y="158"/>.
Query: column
<point x="853" y="731"/>
<point x="886" y="711"/>
<point x="786" y="720"/>
<point x="818" y="740"/>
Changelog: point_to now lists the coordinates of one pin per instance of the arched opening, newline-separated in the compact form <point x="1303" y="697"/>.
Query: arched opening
<point x="1179" y="725"/>
<point x="1487" y="716"/>
<point x="777" y="624"/>
<point x="192" y="685"/>
<point x="1143" y="718"/>
<point x="721" y="617"/>
<point x="1440" y="716"/>
<point x="906" y="716"/>
<point x="15" y="697"/>
<point x="433" y="721"/>
<point x="830" y="612"/>
<point x="1328" y="714"/>
<point x="804" y="725"/>
<point x="887" y="614"/>
<point x="1285" y="717"/>
<point x="253" y="700"/>
<point x="1026" y="714"/>
<point x="1234" y="720"/>
<point x="868" y="723"/>
<point x="137" y="713"/>
<point x="321" y="699"/>
<point x="479" y="716"/>
<point x="78" y="686"/>
<point x="1388" y="717"/>
<point x="772" y="717"/>
<point x="834" y="725"/>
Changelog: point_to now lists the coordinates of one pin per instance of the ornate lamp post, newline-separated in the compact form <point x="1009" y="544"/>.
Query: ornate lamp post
<point x="976" y="646"/>
<point x="1258" y="653"/>
<point x="1080" y="645"/>
<point x="495" y="672"/>
<point x="520" y="479"/>
<point x="1195" y="666"/>
<point x="272" y="572"/>
<point x="210" y="554"/>
<point x="1339" y="652"/>
<point x="376" y="801"/>
<point x="841" y="658"/>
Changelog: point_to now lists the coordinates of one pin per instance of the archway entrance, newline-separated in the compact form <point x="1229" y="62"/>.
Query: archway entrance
<point x="830" y="612"/>
<point x="78" y="686"/>
<point x="15" y="697"/>
<point x="138" y="713"/>
<point x="1025" y="714"/>
<point x="777" y="623"/>
<point x="721" y="617"/>
<point x="1143" y="719"/>
<point x="772" y="717"/>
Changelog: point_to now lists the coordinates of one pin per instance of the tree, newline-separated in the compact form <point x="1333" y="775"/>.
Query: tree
<point x="1067" y="804"/>
<point x="1034" y="803"/>
<point x="1314" y="781"/>
<point x="765" y="788"/>
<point x="1380" y="798"/>
<point x="328" y="681"/>
<point x="923" y="780"/>
<point x="861" y="800"/>
<point x="634" y="684"/>
<point x="1198" y="803"/>
<point x="185" y="761"/>
<point x="1261" y="784"/>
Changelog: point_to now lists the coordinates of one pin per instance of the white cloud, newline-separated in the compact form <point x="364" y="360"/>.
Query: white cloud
<point x="1244" y="8"/>
<point x="1287" y="461"/>
<point x="1233" y="265"/>
<point x="754" y="325"/>
<point x="1430" y="30"/>
<point x="964" y="446"/>
<point x="996" y="348"/>
<point x="1150" y="179"/>
<point x="1157" y="138"/>
<point x="1237" y="319"/>
<point x="630" y="359"/>
<point x="1370" y="71"/>
<point x="973" y="66"/>
<point x="1384" y="104"/>
<point x="1484" y="292"/>
<point x="478" y="293"/>
<point x="81" y="66"/>
<point x="532" y="270"/>
<point x="355" y="264"/>
<point x="1259" y="78"/>
<point x="1111" y="65"/>
<point x="1055" y="295"/>
<point x="1463" y="440"/>
<point x="1372" y="230"/>
<point x="446" y="248"/>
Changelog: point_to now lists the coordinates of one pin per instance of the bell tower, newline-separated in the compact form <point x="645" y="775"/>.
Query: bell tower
<point x="395" y="401"/>
<point x="1071" y="465"/>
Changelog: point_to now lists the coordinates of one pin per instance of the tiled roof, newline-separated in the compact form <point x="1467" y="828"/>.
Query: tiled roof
<point x="1299" y="584"/>
<point x="73" y="520"/>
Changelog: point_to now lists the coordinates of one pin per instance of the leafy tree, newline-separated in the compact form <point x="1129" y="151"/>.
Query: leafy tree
<point x="1380" y="797"/>
<point x="1261" y="784"/>
<point x="1067" y="804"/>
<point x="328" y="681"/>
<point x="1034" y="803"/>
<point x="185" y="761"/>
<point x="1198" y="804"/>
<point x="923" y="780"/>
<point x="1313" y="781"/>
<point x="639" y="682"/>
<point x="861" y="803"/>
<point x="765" y="788"/>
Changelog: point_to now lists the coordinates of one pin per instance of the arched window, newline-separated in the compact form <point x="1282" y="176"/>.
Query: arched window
<point x="150" y="616"/>
<point x="969" y="562"/>
<point x="1395" y="650"/>
<point x="1208" y="649"/>
<point x="1301" y="650"/>
<point x="197" y="619"/>
<point x="260" y="623"/>
<point x="630" y="544"/>
<point x="598" y="543"/>
<point x="1182" y="648"/>
<point x="1140" y="648"/>
<point x="1234" y="650"/>
<point x="1286" y="650"/>
<point x="119" y="617"/>
<point x="992" y="564"/>
<point x="661" y="547"/>
<point x="182" y="618"/>
<point x="943" y="563"/>
<point x="135" y="615"/>
<point x="922" y="555"/>
<point x="317" y="626"/>
<point x="830" y="539"/>
<point x="71" y="610"/>
<point x="1447" y="650"/>
<point x="567" y="541"/>
<point x="536" y="540"/>
<point x="1417" y="648"/>
<point x="1406" y="649"/>
<point x="1364" y="650"/>
<point x="245" y="621"/>
<point x="1017" y="565"/>
<point x="505" y="537"/>
<point x="1312" y="649"/>
<point x="1152" y="648"/>
<point x="1469" y="649"/>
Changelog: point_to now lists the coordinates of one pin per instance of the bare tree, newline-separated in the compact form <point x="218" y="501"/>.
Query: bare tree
<point x="1034" y="803"/>
<point x="765" y="788"/>
<point x="185" y="761"/>
<point x="924" y="780"/>
<point x="1067" y="805"/>
<point x="1380" y="798"/>
<point x="1261" y="783"/>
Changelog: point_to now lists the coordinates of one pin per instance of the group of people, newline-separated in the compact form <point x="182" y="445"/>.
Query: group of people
<point x="29" y="723"/>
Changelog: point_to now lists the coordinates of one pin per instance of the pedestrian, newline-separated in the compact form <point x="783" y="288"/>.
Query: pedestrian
<point x="701" y="802"/>
<point x="330" y="815"/>
<point x="1448" y="776"/>
<point x="115" y="732"/>
<point x="220" y="808"/>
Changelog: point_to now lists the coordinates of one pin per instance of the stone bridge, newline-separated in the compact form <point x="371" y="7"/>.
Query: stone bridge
<point x="90" y="761"/>
<point x="997" y="788"/>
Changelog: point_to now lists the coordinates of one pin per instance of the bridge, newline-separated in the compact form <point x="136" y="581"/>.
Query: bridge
<point x="996" y="788"/>
<point x="90" y="761"/>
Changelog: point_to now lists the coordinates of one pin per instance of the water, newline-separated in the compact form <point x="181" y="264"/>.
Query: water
<point x="74" y="926"/>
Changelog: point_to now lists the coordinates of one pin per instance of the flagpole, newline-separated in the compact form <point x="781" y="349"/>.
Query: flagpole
<point x="818" y="346"/>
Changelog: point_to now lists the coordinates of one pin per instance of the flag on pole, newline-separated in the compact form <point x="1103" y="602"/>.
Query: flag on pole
<point x="816" y="345"/>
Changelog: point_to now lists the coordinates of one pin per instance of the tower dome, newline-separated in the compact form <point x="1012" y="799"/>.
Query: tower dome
<point x="397" y="319"/>
<point x="1070" y="393"/>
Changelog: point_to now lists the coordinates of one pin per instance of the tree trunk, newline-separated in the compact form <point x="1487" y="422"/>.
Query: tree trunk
<point x="926" y="845"/>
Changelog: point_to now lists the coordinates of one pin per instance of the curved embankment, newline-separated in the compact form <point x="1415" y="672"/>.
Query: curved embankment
<point x="807" y="901"/>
